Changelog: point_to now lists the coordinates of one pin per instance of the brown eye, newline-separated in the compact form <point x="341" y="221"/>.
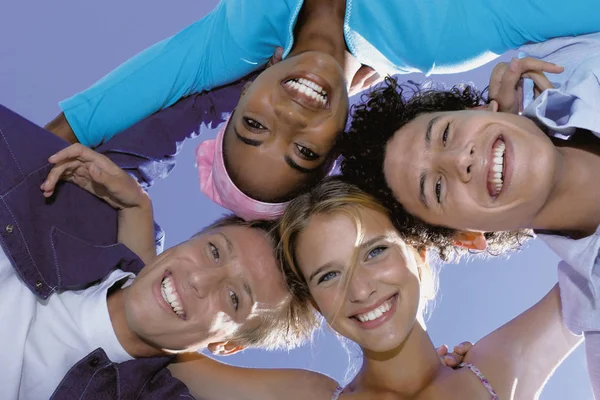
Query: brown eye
<point x="438" y="190"/>
<point x="306" y="153"/>
<point x="445" y="135"/>
<point x="253" y="124"/>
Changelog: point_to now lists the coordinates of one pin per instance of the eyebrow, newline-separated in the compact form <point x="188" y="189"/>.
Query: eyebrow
<point x="295" y="166"/>
<point x="422" y="197"/>
<point x="430" y="125"/>
<point x="228" y="242"/>
<point x="249" y="142"/>
<point x="363" y="245"/>
<point x="248" y="291"/>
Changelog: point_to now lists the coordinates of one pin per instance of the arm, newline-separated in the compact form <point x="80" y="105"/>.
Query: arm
<point x="211" y="52"/>
<point x="61" y="128"/>
<point x="209" y="379"/>
<point x="520" y="356"/>
<point x="101" y="177"/>
<point x="147" y="150"/>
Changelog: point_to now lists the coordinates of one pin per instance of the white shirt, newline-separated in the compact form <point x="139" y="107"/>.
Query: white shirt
<point x="40" y="340"/>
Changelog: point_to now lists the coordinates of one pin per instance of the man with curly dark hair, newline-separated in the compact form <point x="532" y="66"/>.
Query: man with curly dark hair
<point x="374" y="124"/>
<point x="457" y="172"/>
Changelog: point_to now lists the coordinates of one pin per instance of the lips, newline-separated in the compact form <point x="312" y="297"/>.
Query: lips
<point x="378" y="314"/>
<point x="309" y="91"/>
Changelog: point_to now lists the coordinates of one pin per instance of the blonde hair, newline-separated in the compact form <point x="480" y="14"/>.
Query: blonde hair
<point x="333" y="195"/>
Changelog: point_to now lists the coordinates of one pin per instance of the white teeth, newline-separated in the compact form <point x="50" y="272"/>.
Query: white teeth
<point x="495" y="178"/>
<point x="376" y="313"/>
<point x="171" y="296"/>
<point x="309" y="88"/>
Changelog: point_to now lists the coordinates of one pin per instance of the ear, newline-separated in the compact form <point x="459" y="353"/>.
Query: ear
<point x="224" y="348"/>
<point x="492" y="106"/>
<point x="423" y="254"/>
<point x="470" y="240"/>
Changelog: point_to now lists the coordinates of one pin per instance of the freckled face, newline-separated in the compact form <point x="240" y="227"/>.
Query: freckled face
<point x="285" y="126"/>
<point x="375" y="303"/>
<point x="472" y="170"/>
<point x="203" y="290"/>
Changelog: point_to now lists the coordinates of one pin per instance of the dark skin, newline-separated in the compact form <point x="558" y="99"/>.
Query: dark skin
<point x="61" y="128"/>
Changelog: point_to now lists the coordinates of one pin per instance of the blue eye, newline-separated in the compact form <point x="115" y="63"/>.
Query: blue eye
<point x="214" y="251"/>
<point x="445" y="135"/>
<point x="377" y="251"/>
<point x="235" y="301"/>
<point x="327" y="276"/>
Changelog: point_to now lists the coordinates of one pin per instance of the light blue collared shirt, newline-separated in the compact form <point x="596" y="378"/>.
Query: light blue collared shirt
<point x="573" y="103"/>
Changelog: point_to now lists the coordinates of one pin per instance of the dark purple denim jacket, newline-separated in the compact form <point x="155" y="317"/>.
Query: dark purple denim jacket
<point x="69" y="242"/>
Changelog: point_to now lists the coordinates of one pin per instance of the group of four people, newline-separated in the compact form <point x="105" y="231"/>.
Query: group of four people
<point x="352" y="248"/>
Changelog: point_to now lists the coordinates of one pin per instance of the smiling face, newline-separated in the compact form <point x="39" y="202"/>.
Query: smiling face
<point x="284" y="128"/>
<point x="204" y="290"/>
<point x="375" y="303"/>
<point x="472" y="170"/>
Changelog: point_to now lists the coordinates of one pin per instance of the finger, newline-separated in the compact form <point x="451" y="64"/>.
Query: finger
<point x="451" y="361"/>
<point x="540" y="81"/>
<point x="535" y="64"/>
<point x="83" y="154"/>
<point x="59" y="171"/>
<point x="73" y="151"/>
<point x="496" y="79"/>
<point x="442" y="350"/>
<point x="463" y="348"/>
<point x="506" y="95"/>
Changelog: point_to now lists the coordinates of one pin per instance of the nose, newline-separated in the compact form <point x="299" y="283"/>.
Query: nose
<point x="459" y="161"/>
<point x="361" y="286"/>
<point x="204" y="281"/>
<point x="289" y="116"/>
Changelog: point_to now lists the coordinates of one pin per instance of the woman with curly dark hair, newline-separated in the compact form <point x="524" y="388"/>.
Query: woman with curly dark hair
<point x="458" y="173"/>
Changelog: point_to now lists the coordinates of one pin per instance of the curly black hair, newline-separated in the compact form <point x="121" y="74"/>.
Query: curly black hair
<point x="374" y="122"/>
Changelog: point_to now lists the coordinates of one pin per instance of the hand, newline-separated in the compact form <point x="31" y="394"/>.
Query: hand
<point x="95" y="173"/>
<point x="456" y="357"/>
<point x="364" y="78"/>
<point x="506" y="87"/>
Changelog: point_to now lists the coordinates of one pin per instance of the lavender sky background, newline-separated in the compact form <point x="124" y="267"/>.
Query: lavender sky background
<point x="51" y="50"/>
